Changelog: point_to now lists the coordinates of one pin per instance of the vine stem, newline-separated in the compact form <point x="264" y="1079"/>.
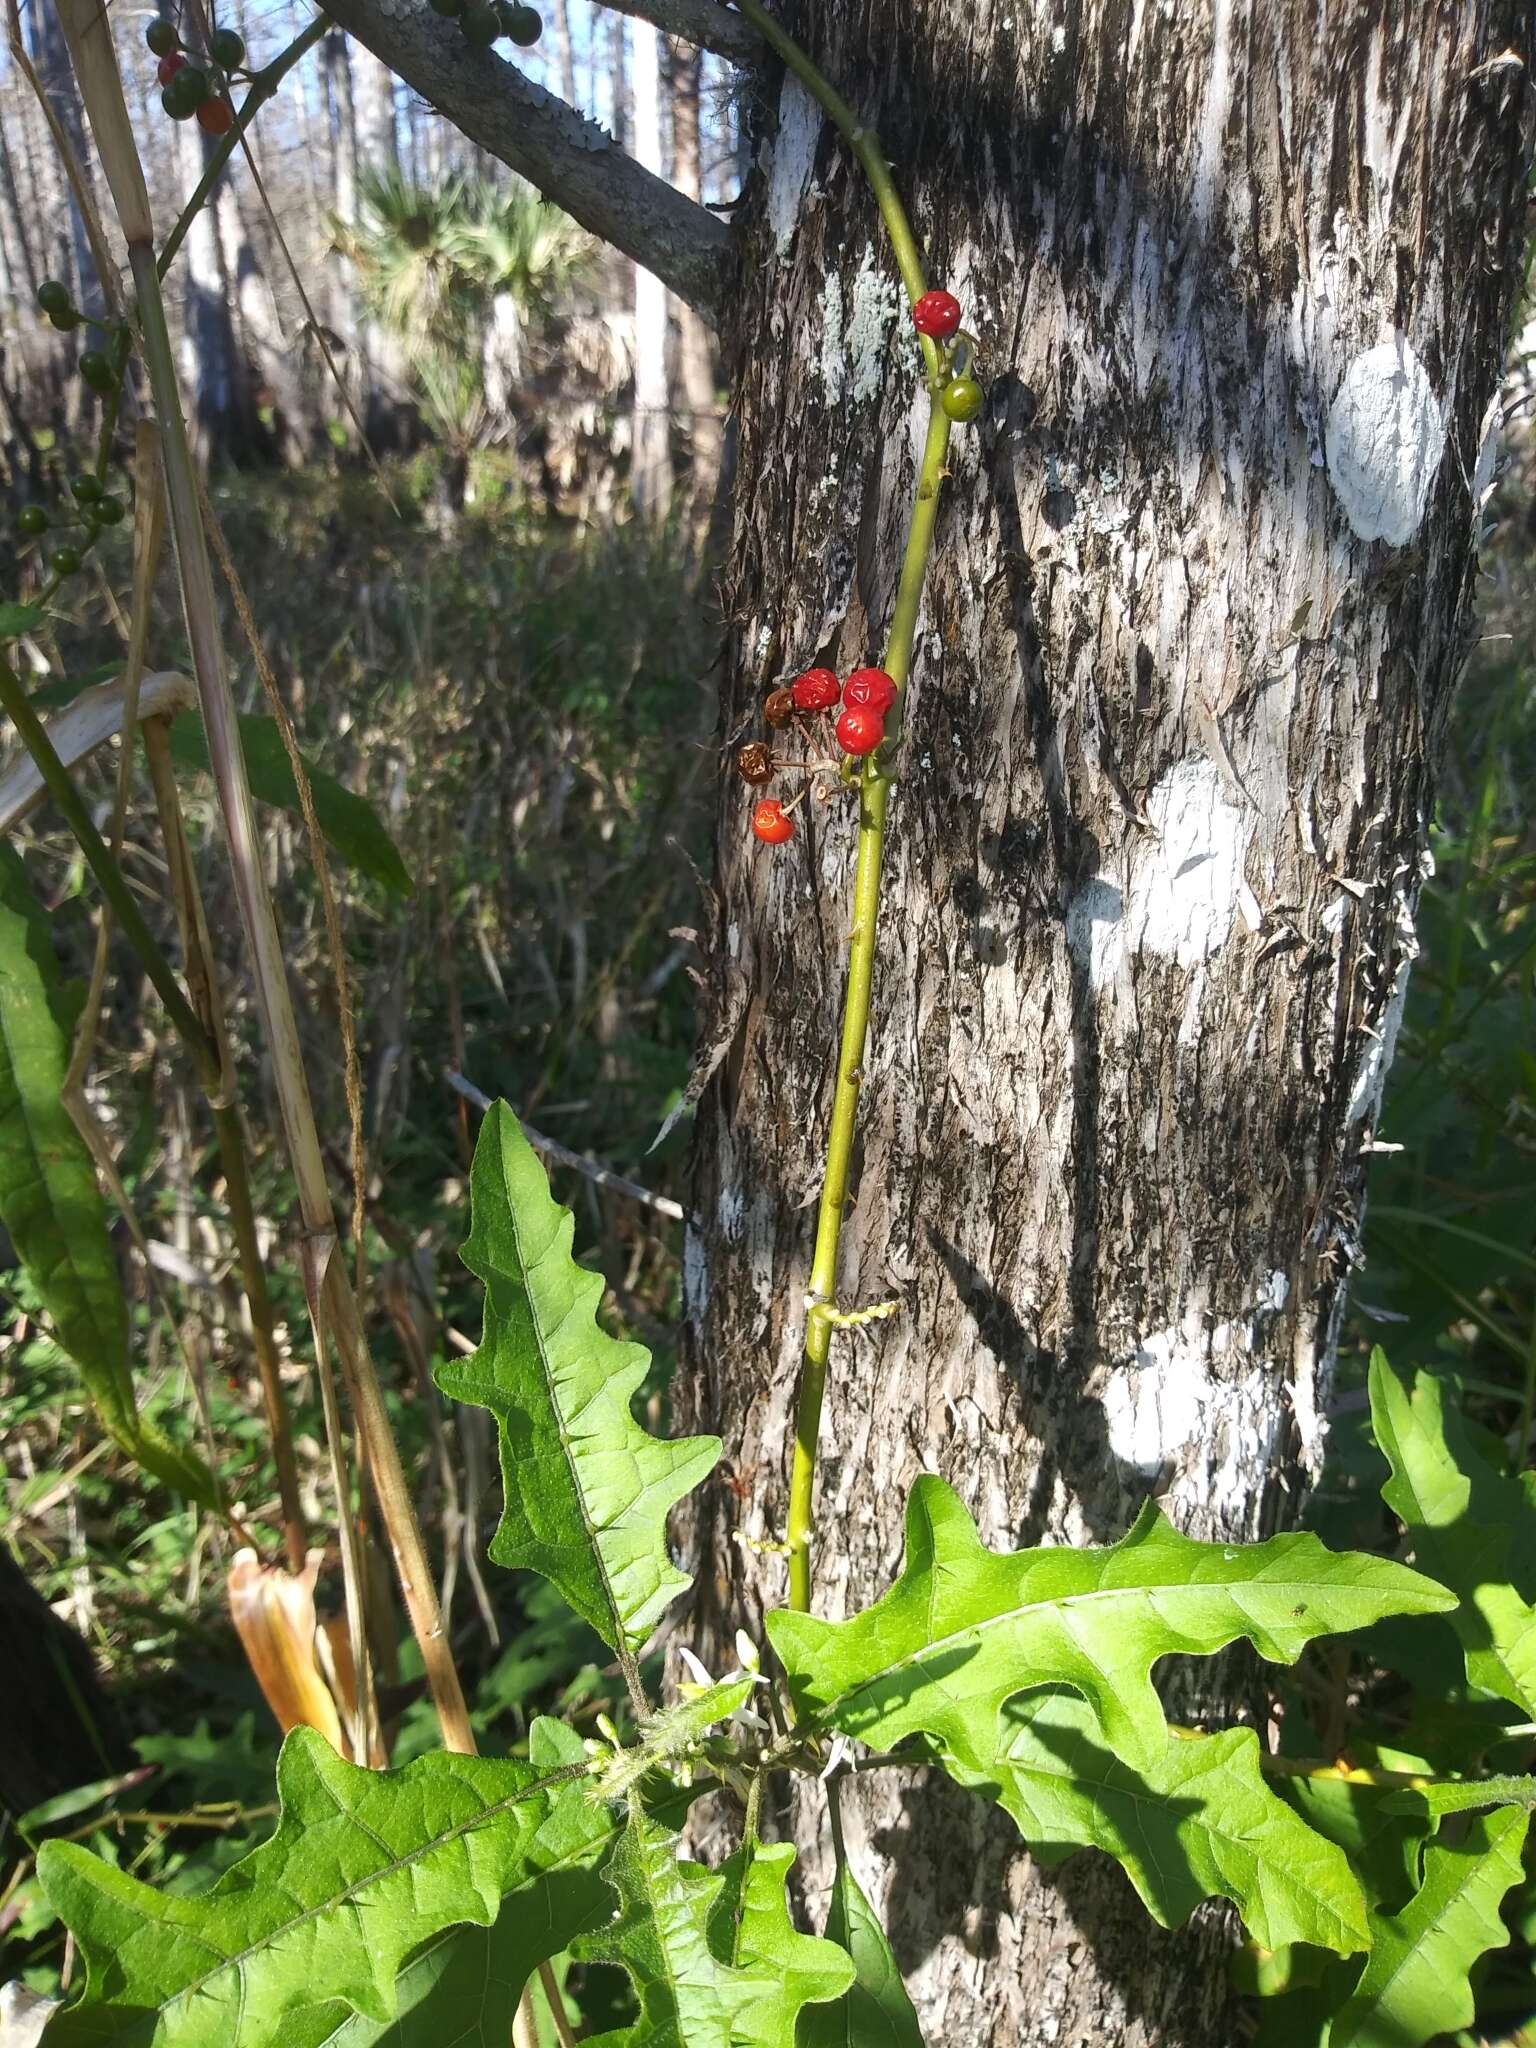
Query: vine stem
<point x="876" y="780"/>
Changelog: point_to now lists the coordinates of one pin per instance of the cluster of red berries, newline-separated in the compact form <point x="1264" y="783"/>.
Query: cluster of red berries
<point x="866" y="697"/>
<point x="199" y="91"/>
<point x="937" y="315"/>
<point x="482" y="21"/>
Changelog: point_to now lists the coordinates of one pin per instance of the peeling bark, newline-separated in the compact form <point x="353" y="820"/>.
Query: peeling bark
<point x="1241" y="272"/>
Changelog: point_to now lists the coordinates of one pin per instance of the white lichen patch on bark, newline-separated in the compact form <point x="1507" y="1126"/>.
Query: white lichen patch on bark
<point x="1168" y="1396"/>
<point x="1381" y="1044"/>
<point x="1384" y="441"/>
<point x="877" y="299"/>
<point x="1184" y="879"/>
<point x="793" y="160"/>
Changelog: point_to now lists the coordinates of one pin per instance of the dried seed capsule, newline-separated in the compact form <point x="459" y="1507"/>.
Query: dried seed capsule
<point x="779" y="707"/>
<point x="753" y="763"/>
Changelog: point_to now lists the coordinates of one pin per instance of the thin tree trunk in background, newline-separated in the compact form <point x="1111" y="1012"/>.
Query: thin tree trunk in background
<point x="618" y="80"/>
<point x="21" y="261"/>
<point x="373" y="99"/>
<point x="695" y="347"/>
<point x="209" y="357"/>
<point x="650" y="469"/>
<point x="565" y="55"/>
<point x="50" y="56"/>
<point x="1241" y="274"/>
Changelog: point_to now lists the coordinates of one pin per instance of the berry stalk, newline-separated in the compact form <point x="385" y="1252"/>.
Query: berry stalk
<point x="875" y="785"/>
<point x="931" y="317"/>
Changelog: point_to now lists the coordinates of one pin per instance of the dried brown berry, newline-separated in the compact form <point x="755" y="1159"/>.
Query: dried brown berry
<point x="779" y="707"/>
<point x="754" y="763"/>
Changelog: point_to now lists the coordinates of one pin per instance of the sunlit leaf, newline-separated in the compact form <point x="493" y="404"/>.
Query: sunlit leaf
<point x="586" y="1489"/>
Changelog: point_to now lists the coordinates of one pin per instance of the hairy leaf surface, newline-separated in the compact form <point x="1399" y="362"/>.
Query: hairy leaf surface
<point x="1414" y="1985"/>
<point x="1197" y="1821"/>
<point x="365" y="1868"/>
<point x="50" y="1201"/>
<point x="875" y="2011"/>
<point x="964" y="1627"/>
<point x="587" y="1490"/>
<point x="714" y="1959"/>
<point x="1472" y="1528"/>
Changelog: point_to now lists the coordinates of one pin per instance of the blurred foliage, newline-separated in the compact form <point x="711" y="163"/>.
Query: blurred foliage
<point x="526" y="705"/>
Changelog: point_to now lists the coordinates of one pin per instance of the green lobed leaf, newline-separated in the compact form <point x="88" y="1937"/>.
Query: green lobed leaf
<point x="713" y="1956"/>
<point x="1415" y="1982"/>
<point x="462" y="1990"/>
<point x="364" y="1869"/>
<point x="348" y="821"/>
<point x="875" y="2011"/>
<point x="587" y="1491"/>
<point x="1197" y="1821"/>
<point x="1462" y="1795"/>
<point x="964" y="1628"/>
<point x="1470" y="1527"/>
<point x="50" y="1201"/>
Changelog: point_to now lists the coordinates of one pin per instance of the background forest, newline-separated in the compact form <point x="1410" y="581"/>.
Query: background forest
<point x="467" y="460"/>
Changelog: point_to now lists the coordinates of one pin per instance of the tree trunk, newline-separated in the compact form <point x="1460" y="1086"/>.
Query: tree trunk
<point x="650" y="468"/>
<point x="210" y="358"/>
<point x="565" y="54"/>
<point x="695" y="349"/>
<point x="1240" y="272"/>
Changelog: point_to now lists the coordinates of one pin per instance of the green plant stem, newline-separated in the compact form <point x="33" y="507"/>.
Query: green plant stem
<point x="875" y="784"/>
<point x="263" y="85"/>
<point x="109" y="876"/>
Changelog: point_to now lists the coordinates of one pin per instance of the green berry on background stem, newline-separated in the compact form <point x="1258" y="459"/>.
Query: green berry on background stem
<point x="85" y="488"/>
<point x="64" y="561"/>
<point x="32" y="519"/>
<point x="480" y="24"/>
<point x="226" y="49"/>
<point x="162" y="38"/>
<point x="66" y="319"/>
<point x="190" y="87"/>
<point x="963" y="398"/>
<point x="53" y="297"/>
<point x="107" y="511"/>
<point x="97" y="371"/>
<point x="526" y="27"/>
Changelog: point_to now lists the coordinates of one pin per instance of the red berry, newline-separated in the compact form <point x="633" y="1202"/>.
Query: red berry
<point x="770" y="823"/>
<point x="872" y="688"/>
<point x="860" y="730"/>
<point x="215" y="117"/>
<point x="168" y="67"/>
<point x="816" y="690"/>
<point x="936" y="314"/>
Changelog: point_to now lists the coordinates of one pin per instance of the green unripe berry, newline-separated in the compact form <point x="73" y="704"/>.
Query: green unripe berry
<point x="32" y="519"/>
<point x="97" y="371"/>
<point x="480" y="25"/>
<point x="65" y="318"/>
<point x="85" y="488"/>
<point x="162" y="38"/>
<point x="107" y="511"/>
<point x="65" y="561"/>
<point x="53" y="297"/>
<point x="226" y="49"/>
<point x="526" y="27"/>
<point x="963" y="398"/>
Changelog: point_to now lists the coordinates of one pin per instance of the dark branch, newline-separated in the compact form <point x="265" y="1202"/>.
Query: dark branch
<point x="569" y="158"/>
<point x="701" y="23"/>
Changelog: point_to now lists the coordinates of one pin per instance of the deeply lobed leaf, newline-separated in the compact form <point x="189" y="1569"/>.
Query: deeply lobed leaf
<point x="1414" y="1986"/>
<point x="964" y="1628"/>
<point x="1471" y="1527"/>
<point x="364" y="1869"/>
<point x="1196" y="1821"/>
<point x="713" y="1956"/>
<point x="587" y="1491"/>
